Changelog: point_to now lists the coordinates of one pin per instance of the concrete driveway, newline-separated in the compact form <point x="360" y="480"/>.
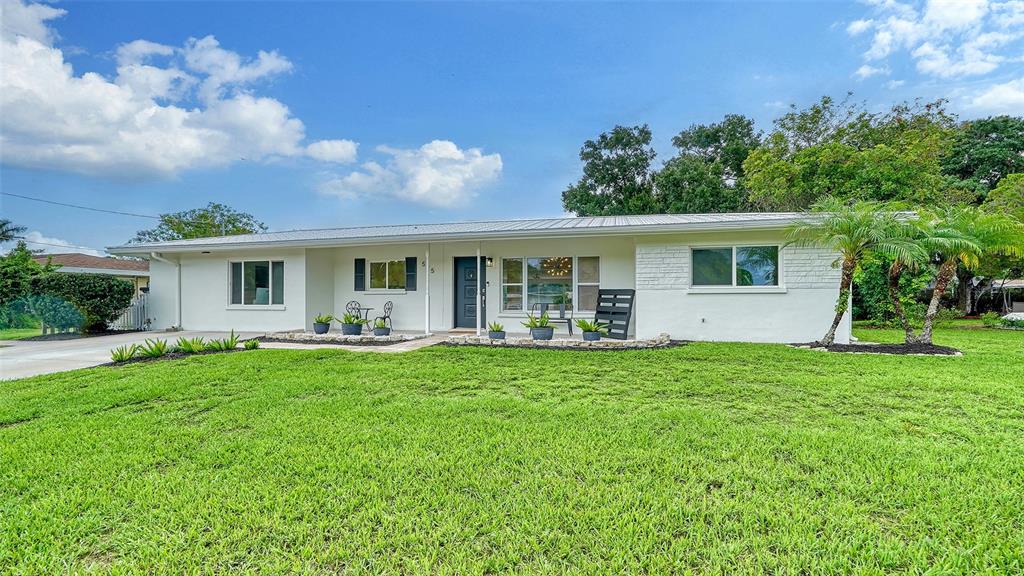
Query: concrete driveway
<point x="19" y="358"/>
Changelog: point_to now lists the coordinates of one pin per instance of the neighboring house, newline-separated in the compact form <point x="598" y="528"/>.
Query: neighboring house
<point x="697" y="276"/>
<point x="134" y="271"/>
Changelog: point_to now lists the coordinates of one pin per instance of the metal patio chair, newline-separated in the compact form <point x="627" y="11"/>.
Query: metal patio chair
<point x="386" y="316"/>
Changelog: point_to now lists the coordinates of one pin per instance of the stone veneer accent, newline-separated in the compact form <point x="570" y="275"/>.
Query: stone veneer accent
<point x="662" y="266"/>
<point x="339" y="338"/>
<point x="661" y="341"/>
<point x="667" y="267"/>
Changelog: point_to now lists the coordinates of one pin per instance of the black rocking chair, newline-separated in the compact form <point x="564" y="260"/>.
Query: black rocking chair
<point x="386" y="316"/>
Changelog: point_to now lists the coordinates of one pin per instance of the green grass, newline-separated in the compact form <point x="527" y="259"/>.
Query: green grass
<point x="19" y="333"/>
<point x="710" y="458"/>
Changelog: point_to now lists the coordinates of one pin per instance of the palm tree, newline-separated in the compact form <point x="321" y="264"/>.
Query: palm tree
<point x="8" y="231"/>
<point x="852" y="230"/>
<point x="964" y="235"/>
<point x="912" y="232"/>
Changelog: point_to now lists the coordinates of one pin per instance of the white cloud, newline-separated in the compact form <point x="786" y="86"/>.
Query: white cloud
<point x="36" y="240"/>
<point x="167" y="109"/>
<point x="1006" y="98"/>
<point x="894" y="84"/>
<point x="438" y="173"/>
<point x="945" y="38"/>
<point x="340" y="151"/>
<point x="867" y="71"/>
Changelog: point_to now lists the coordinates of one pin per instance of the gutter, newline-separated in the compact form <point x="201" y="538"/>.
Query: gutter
<point x="177" y="298"/>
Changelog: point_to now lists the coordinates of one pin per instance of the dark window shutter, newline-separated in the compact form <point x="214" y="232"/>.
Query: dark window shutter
<point x="360" y="274"/>
<point x="410" y="273"/>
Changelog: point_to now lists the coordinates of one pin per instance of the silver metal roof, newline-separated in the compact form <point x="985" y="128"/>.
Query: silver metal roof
<point x="544" y="227"/>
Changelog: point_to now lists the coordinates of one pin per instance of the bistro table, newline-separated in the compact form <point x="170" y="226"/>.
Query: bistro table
<point x="365" y="311"/>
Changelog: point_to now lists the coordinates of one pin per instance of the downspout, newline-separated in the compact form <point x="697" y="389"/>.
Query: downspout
<point x="177" y="295"/>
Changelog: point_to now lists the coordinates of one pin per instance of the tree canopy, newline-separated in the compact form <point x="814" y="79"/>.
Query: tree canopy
<point x="985" y="151"/>
<point x="213" y="220"/>
<point x="617" y="175"/>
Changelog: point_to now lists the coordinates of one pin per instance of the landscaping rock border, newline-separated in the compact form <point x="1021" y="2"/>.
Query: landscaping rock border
<point x="662" y="341"/>
<point x="335" y="338"/>
<point x="889" y="349"/>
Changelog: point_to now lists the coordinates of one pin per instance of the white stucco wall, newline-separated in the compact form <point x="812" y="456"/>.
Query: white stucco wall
<point x="204" y="293"/>
<point x="800" y="309"/>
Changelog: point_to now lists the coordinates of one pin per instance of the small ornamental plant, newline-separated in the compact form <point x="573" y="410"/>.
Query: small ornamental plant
<point x="592" y="329"/>
<point x="380" y="327"/>
<point x="352" y="324"/>
<point x="496" y="331"/>
<point x="322" y="323"/>
<point x="124" y="353"/>
<point x="190" y="345"/>
<point x="153" y="348"/>
<point x="251" y="344"/>
<point x="540" y="327"/>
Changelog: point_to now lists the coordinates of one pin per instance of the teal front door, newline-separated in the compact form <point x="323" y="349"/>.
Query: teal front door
<point x="466" y="308"/>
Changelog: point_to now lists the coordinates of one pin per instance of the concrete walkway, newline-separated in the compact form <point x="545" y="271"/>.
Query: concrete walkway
<point x="21" y="358"/>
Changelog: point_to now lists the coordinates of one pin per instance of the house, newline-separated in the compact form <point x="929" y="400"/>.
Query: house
<point x="697" y="276"/>
<point x="134" y="271"/>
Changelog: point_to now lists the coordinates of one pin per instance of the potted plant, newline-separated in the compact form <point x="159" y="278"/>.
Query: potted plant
<point x="592" y="329"/>
<point x="540" y="327"/>
<point x="380" y="327"/>
<point x="322" y="323"/>
<point x="351" y="324"/>
<point x="495" y="331"/>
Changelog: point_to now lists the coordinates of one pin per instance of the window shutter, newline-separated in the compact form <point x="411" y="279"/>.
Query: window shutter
<point x="410" y="273"/>
<point x="360" y="274"/>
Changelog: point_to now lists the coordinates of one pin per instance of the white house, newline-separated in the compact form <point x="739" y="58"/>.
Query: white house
<point x="722" y="277"/>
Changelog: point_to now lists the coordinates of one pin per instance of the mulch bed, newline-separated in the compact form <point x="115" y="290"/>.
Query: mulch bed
<point x="171" y="356"/>
<point x="898" y="349"/>
<point x="671" y="344"/>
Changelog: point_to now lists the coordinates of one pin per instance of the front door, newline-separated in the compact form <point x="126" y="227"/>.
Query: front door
<point x="466" y="307"/>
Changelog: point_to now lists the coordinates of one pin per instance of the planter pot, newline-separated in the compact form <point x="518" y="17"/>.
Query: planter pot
<point x="591" y="336"/>
<point x="351" y="329"/>
<point x="321" y="327"/>
<point x="542" y="333"/>
<point x="496" y="335"/>
<point x="382" y="331"/>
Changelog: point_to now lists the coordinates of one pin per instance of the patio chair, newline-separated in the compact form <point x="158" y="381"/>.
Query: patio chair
<point x="386" y="316"/>
<point x="354" y="307"/>
<point x="539" y="308"/>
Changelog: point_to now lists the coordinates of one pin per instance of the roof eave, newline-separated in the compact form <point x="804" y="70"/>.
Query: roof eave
<point x="143" y="249"/>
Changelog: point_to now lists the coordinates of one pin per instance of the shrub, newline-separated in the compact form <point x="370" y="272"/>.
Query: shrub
<point x="98" y="297"/>
<point x="541" y="321"/>
<point x="1012" y="323"/>
<point x="496" y="327"/>
<point x="990" y="319"/>
<point x="591" y="326"/>
<point x="323" y="318"/>
<point x="945" y="316"/>
<point x="352" y="319"/>
<point x="871" y="299"/>
<point x="223" y="344"/>
<point x="124" y="353"/>
<point x="153" y="348"/>
<point x="252" y="344"/>
<point x="191" y="346"/>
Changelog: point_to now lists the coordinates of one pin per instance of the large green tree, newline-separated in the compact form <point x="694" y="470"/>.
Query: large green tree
<point x="842" y="150"/>
<point x="617" y="176"/>
<point x="706" y="175"/>
<point x="213" y="220"/>
<point x="986" y="151"/>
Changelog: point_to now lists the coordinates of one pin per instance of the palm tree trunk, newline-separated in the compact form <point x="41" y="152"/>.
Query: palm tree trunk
<point x="946" y="273"/>
<point x="843" y="303"/>
<point x="895" y="271"/>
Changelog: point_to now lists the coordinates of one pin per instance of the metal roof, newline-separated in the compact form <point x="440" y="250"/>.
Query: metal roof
<point x="545" y="227"/>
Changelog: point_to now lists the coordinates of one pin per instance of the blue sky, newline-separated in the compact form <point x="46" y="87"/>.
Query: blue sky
<point x="339" y="114"/>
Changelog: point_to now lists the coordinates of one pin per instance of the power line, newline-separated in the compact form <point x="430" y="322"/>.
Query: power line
<point x="80" y="207"/>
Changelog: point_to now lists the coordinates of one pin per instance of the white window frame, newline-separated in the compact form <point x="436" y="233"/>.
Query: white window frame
<point x="387" y="265"/>
<point x="734" y="288"/>
<point x="522" y="284"/>
<point x="242" y="306"/>
<point x="526" y="281"/>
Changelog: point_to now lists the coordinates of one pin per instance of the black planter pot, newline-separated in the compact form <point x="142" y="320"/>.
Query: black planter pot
<point x="321" y="327"/>
<point x="542" y="333"/>
<point x="351" y="329"/>
<point x="591" y="336"/>
<point x="496" y="335"/>
<point x="382" y="331"/>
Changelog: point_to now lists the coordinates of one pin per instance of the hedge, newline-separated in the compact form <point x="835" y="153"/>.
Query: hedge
<point x="98" y="297"/>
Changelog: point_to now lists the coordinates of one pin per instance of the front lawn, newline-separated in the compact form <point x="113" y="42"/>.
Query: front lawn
<point x="19" y="333"/>
<point x="720" y="458"/>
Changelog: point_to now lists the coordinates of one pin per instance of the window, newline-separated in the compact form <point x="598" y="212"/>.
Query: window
<point x="512" y="284"/>
<point x="388" y="275"/>
<point x="257" y="283"/>
<point x="549" y="280"/>
<point x="735" y="266"/>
